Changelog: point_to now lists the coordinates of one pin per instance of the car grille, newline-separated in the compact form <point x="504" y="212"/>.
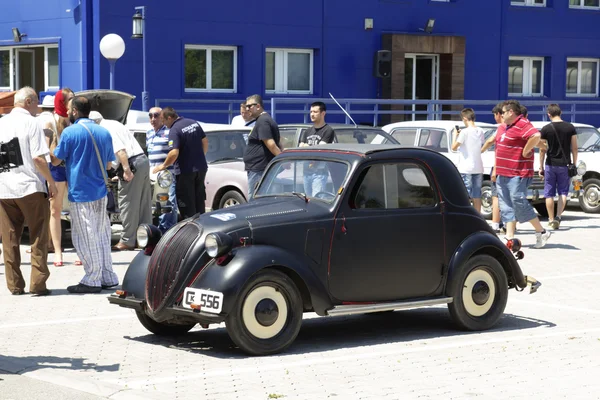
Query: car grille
<point x="537" y="182"/>
<point x="165" y="264"/>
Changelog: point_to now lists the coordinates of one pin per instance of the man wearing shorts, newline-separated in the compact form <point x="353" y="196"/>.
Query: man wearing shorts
<point x="514" y="171"/>
<point x="561" y="137"/>
<point x="468" y="142"/>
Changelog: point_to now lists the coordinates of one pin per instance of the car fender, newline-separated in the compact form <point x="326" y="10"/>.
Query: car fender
<point x="134" y="282"/>
<point x="230" y="277"/>
<point x="479" y="243"/>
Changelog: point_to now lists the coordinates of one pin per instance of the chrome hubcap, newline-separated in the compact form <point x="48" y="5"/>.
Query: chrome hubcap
<point x="592" y="195"/>
<point x="230" y="203"/>
<point x="479" y="291"/>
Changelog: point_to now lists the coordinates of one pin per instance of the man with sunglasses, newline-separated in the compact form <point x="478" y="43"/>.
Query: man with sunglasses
<point x="263" y="142"/>
<point x="514" y="171"/>
<point x="157" y="144"/>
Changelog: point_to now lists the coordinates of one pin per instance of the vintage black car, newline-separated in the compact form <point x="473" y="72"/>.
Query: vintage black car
<point x="391" y="228"/>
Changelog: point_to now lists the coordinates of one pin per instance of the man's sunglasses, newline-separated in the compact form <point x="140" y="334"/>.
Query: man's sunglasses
<point x="155" y="115"/>
<point x="251" y="105"/>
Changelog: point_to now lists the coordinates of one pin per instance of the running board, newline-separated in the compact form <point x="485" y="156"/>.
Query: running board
<point x="399" y="305"/>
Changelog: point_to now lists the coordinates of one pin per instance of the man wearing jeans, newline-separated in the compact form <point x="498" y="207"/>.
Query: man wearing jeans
<point x="316" y="173"/>
<point x="157" y="143"/>
<point x="468" y="141"/>
<point x="514" y="171"/>
<point x="561" y="137"/>
<point x="263" y="143"/>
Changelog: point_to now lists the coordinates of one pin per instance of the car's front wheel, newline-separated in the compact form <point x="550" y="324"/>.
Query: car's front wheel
<point x="267" y="315"/>
<point x="231" y="198"/>
<point x="479" y="292"/>
<point x="162" y="328"/>
<point x="590" y="197"/>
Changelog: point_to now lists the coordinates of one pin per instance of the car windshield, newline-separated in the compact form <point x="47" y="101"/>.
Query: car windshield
<point x="225" y="146"/>
<point x="306" y="178"/>
<point x="588" y="139"/>
<point x="362" y="135"/>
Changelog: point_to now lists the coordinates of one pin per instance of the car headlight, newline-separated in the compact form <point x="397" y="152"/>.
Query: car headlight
<point x="217" y="244"/>
<point x="581" y="168"/>
<point x="164" y="179"/>
<point x="147" y="235"/>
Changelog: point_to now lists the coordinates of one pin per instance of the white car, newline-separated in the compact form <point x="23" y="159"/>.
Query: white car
<point x="588" y="144"/>
<point x="437" y="135"/>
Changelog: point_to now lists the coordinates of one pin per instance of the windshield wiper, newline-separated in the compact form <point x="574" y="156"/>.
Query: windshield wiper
<point x="301" y="195"/>
<point x="226" y="159"/>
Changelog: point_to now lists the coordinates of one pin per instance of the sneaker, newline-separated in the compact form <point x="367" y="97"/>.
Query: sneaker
<point x="541" y="238"/>
<point x="558" y="220"/>
<point x="553" y="224"/>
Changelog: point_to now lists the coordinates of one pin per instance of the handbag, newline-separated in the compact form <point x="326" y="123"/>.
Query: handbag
<point x="111" y="204"/>
<point x="571" y="168"/>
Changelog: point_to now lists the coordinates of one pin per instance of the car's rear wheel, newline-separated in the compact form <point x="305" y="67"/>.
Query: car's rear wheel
<point x="486" y="199"/>
<point x="543" y="211"/>
<point x="479" y="292"/>
<point x="231" y="198"/>
<point x="267" y="315"/>
<point x="162" y="328"/>
<point x="590" y="197"/>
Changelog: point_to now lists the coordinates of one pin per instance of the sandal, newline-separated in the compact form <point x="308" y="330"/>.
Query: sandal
<point x="78" y="262"/>
<point x="58" y="264"/>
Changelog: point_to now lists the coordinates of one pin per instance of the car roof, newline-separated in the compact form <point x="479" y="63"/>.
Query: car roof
<point x="446" y="124"/>
<point x="206" y="127"/>
<point x="334" y="126"/>
<point x="541" y="124"/>
<point x="362" y="149"/>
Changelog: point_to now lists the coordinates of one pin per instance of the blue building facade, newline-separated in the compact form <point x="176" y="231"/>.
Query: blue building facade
<point x="476" y="49"/>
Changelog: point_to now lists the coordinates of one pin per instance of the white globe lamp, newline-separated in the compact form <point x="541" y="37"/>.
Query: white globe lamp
<point x="112" y="48"/>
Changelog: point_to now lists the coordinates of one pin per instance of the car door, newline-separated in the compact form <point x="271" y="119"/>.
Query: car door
<point x="388" y="235"/>
<point x="406" y="136"/>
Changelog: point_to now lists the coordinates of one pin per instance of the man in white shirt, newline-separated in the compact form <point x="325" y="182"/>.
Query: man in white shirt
<point x="468" y="142"/>
<point x="135" y="199"/>
<point x="244" y="119"/>
<point x="23" y="195"/>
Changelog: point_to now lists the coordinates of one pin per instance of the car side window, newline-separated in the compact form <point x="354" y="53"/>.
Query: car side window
<point x="434" y="139"/>
<point x="405" y="136"/>
<point x="393" y="186"/>
<point x="288" y="137"/>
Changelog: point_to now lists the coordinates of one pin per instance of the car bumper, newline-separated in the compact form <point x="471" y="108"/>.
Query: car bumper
<point x="169" y="312"/>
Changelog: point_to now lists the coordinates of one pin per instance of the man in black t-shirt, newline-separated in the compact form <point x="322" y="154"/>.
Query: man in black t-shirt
<point x="561" y="139"/>
<point x="188" y="145"/>
<point x="263" y="142"/>
<point x="316" y="173"/>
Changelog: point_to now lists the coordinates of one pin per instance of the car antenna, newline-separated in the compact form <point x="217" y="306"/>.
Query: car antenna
<point x="345" y="112"/>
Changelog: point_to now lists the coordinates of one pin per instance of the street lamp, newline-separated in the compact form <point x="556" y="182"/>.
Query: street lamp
<point x="112" y="48"/>
<point x="139" y="32"/>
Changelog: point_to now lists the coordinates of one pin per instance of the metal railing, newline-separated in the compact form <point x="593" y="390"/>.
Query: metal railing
<point x="374" y="109"/>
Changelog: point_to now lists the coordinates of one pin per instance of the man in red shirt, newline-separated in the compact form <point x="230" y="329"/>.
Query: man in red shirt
<point x="514" y="171"/>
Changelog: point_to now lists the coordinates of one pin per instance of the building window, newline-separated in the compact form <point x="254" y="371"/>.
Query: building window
<point x="593" y="4"/>
<point x="51" y="68"/>
<point x="289" y="71"/>
<point x="5" y="69"/>
<point x="530" y="3"/>
<point x="210" y="68"/>
<point x="582" y="77"/>
<point x="525" y="76"/>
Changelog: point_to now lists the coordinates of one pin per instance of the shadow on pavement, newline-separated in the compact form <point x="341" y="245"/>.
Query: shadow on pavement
<point x="18" y="365"/>
<point x="332" y="333"/>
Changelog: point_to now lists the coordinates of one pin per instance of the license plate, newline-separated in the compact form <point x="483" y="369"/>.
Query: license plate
<point x="209" y="301"/>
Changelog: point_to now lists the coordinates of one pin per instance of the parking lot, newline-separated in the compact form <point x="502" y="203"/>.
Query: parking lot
<point x="547" y="345"/>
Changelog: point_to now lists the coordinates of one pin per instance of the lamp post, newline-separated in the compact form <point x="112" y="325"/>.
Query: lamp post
<point x="112" y="48"/>
<point x="139" y="32"/>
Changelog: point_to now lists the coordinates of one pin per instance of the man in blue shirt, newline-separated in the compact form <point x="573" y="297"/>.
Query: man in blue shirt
<point x="157" y="143"/>
<point x="188" y="145"/>
<point x="87" y="149"/>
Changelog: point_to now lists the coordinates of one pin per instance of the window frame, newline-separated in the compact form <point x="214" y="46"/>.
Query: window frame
<point x="582" y="6"/>
<point x="527" y="3"/>
<point x="527" y="76"/>
<point x="579" y="60"/>
<point x="209" y="49"/>
<point x="47" y="71"/>
<point x="11" y="70"/>
<point x="281" y="70"/>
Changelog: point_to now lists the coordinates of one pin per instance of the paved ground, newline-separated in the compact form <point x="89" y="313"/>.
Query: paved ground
<point x="546" y="347"/>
